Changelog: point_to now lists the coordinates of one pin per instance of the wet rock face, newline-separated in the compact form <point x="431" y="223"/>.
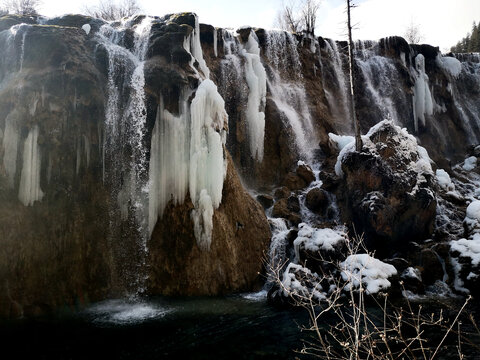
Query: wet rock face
<point x="54" y="252"/>
<point x="388" y="191"/>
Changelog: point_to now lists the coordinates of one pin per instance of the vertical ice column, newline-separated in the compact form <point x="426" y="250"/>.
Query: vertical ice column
<point x="29" y="190"/>
<point x="257" y="83"/>
<point x="207" y="162"/>
<point x="10" y="148"/>
<point x="169" y="161"/>
<point x="193" y="46"/>
<point x="422" y="98"/>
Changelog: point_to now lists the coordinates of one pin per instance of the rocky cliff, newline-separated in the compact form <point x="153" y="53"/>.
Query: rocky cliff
<point x="127" y="149"/>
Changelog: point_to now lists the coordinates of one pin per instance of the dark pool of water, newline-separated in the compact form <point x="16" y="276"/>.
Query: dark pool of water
<point x="195" y="328"/>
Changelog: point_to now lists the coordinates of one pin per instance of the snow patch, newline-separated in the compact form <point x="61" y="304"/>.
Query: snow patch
<point x="444" y="180"/>
<point x="470" y="163"/>
<point x="87" y="28"/>
<point x="450" y="64"/>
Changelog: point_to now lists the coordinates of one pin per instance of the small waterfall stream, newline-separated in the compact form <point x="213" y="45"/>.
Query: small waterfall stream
<point x="124" y="130"/>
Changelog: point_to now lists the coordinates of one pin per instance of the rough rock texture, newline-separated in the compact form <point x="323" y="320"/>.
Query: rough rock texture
<point x="72" y="246"/>
<point x="55" y="253"/>
<point x="387" y="195"/>
<point x="240" y="237"/>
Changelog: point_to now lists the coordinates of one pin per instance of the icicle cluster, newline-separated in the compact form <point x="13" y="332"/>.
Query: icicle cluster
<point x="187" y="152"/>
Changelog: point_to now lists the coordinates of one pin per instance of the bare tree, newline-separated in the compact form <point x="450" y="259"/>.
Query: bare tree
<point x="358" y="137"/>
<point x="287" y="18"/>
<point x="21" y="7"/>
<point x="298" y="15"/>
<point x="309" y="15"/>
<point x="110" y="10"/>
<point x="413" y="34"/>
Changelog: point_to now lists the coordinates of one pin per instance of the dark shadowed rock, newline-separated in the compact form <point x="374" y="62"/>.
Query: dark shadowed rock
<point x="293" y="204"/>
<point x="281" y="193"/>
<point x="316" y="200"/>
<point x="265" y="200"/>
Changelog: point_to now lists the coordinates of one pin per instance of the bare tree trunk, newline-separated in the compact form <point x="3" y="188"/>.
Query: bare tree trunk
<point x="358" y="138"/>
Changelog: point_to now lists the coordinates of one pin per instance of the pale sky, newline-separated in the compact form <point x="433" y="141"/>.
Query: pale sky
<point x="442" y="22"/>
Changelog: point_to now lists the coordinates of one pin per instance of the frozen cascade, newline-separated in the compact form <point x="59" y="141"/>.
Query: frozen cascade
<point x="193" y="45"/>
<point x="257" y="83"/>
<point x="207" y="164"/>
<point x="422" y="98"/>
<point x="169" y="158"/>
<point x="29" y="190"/>
<point x="187" y="152"/>
<point x="290" y="96"/>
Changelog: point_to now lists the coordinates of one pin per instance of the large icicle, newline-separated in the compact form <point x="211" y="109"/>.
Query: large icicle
<point x="257" y="83"/>
<point x="169" y="161"/>
<point x="10" y="148"/>
<point x="422" y="98"/>
<point x="207" y="164"/>
<point x="29" y="190"/>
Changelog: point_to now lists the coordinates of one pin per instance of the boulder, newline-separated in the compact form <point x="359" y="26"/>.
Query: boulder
<point x="280" y="209"/>
<point x="316" y="200"/>
<point x="388" y="189"/>
<point x="294" y="182"/>
<point x="306" y="173"/>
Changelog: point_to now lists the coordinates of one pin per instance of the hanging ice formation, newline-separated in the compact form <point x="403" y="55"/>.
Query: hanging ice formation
<point x="257" y="83"/>
<point x="187" y="153"/>
<point x="29" y="190"/>
<point x="422" y="98"/>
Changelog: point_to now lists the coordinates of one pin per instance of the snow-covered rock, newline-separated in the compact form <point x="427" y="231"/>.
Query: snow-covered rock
<point x="387" y="189"/>
<point x="364" y="271"/>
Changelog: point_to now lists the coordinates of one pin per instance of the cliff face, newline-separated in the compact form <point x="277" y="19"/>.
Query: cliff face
<point x="122" y="145"/>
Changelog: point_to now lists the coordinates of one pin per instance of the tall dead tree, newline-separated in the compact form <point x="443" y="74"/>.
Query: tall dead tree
<point x="351" y="65"/>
